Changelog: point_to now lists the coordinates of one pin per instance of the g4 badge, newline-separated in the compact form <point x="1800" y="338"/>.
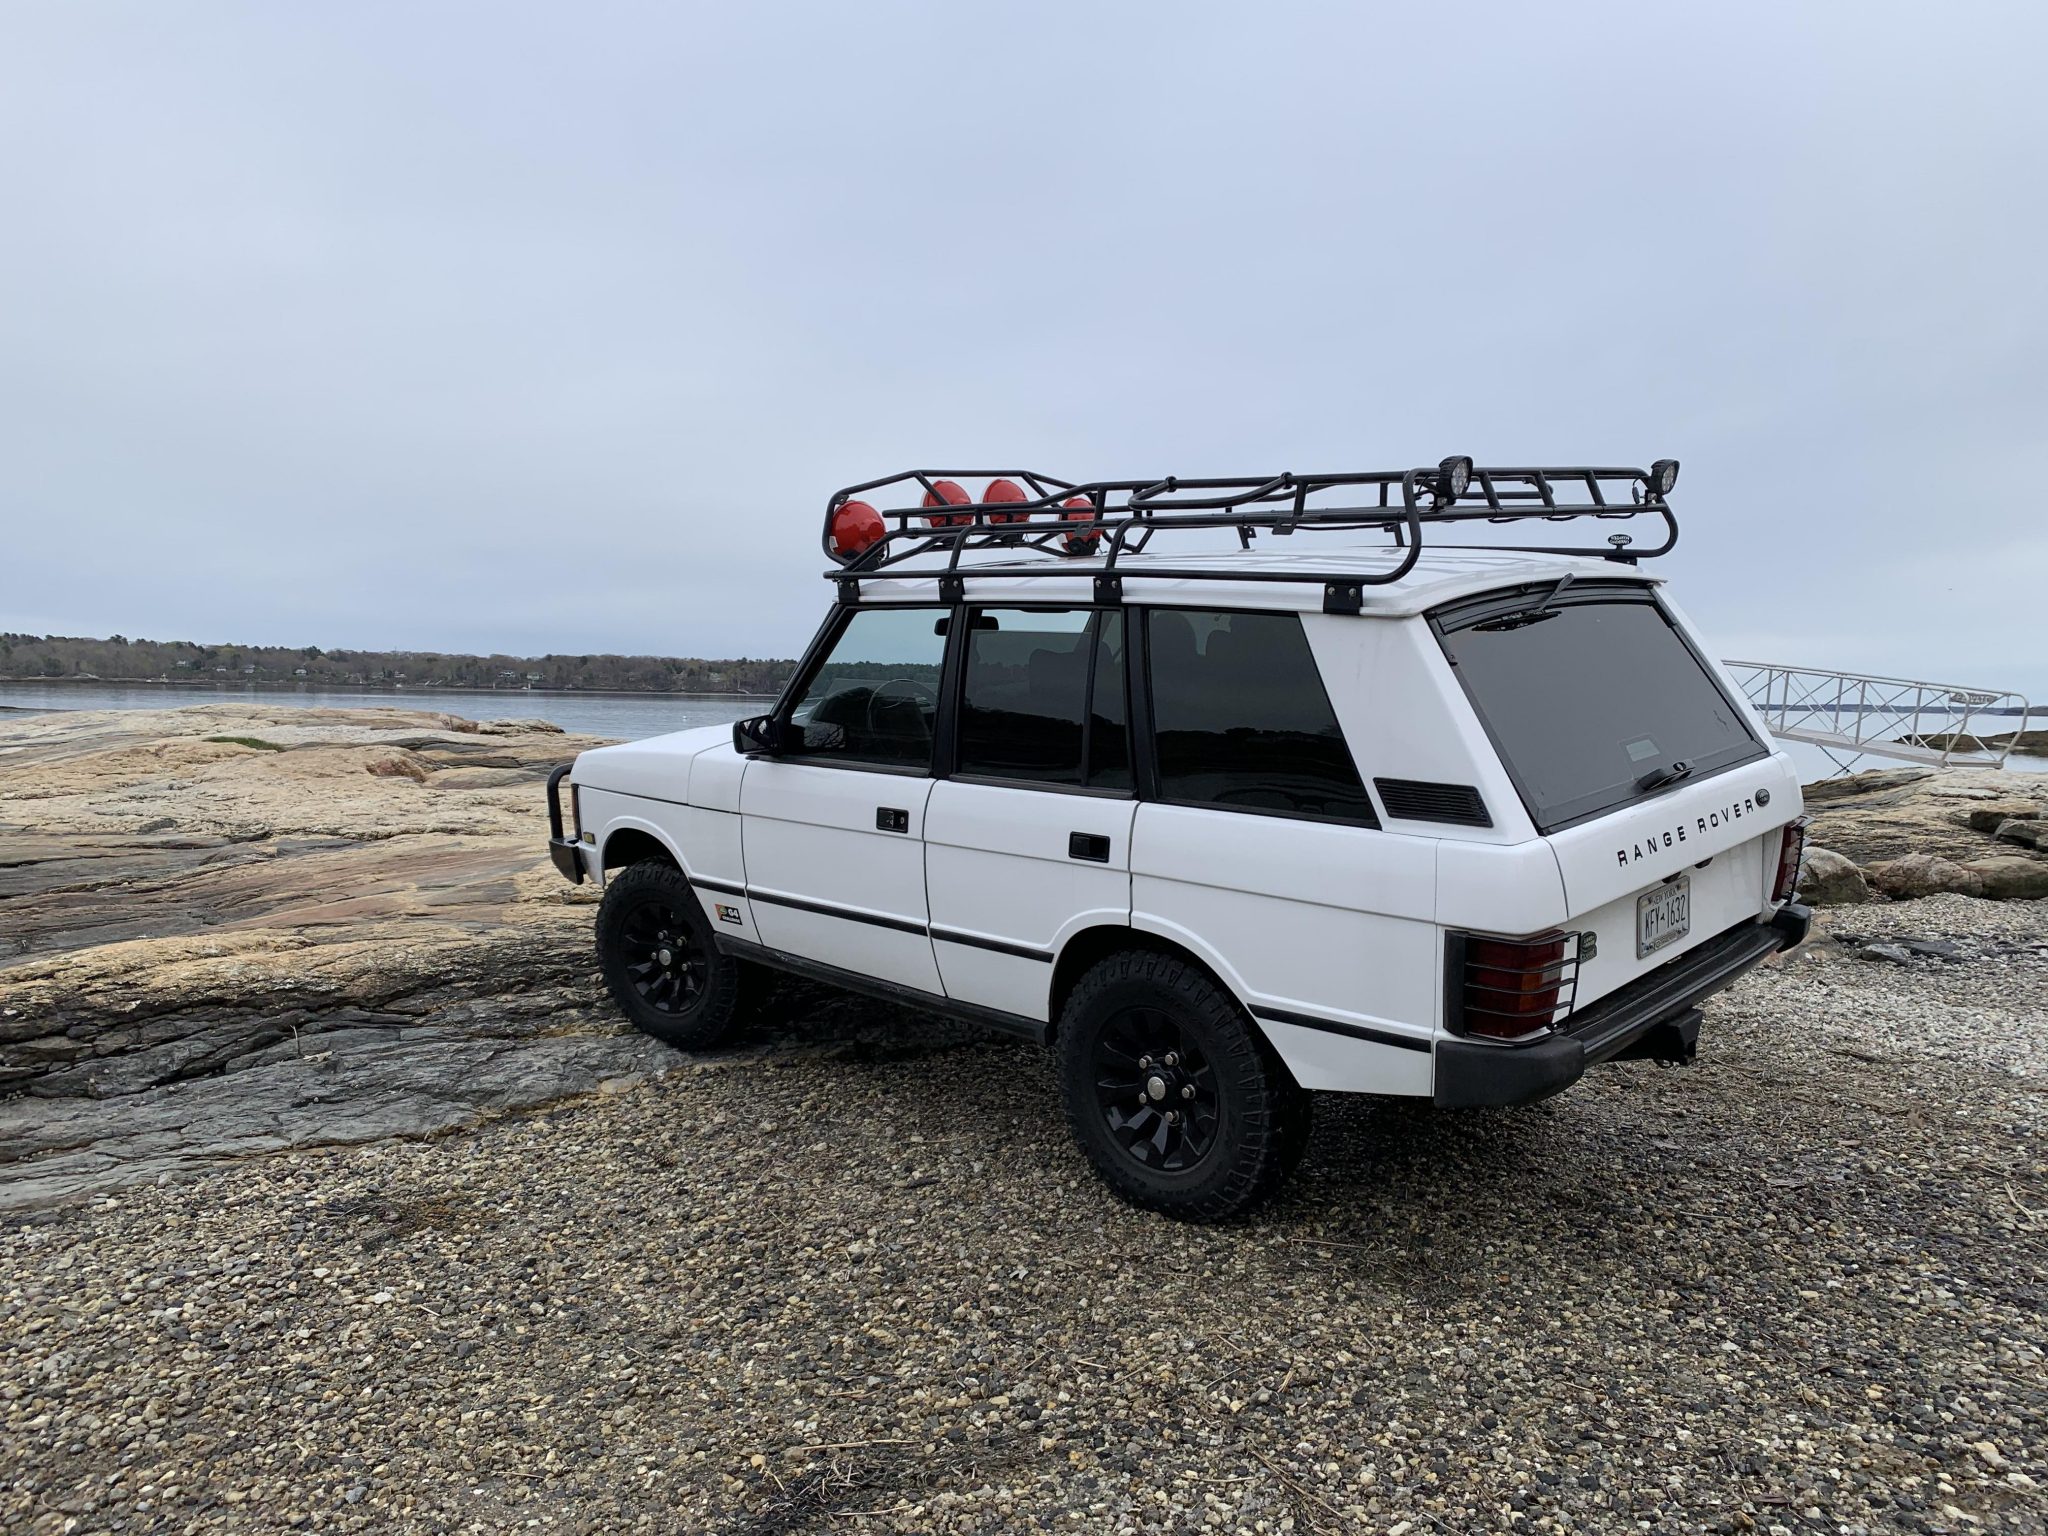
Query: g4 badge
<point x="729" y="915"/>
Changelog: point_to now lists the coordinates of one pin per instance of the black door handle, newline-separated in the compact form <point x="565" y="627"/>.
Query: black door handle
<point x="1088" y="845"/>
<point x="889" y="819"/>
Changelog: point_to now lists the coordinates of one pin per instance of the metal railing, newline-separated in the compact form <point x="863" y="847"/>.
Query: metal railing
<point x="1852" y="712"/>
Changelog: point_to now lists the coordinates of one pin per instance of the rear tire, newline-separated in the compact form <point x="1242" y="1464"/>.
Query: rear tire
<point x="1172" y="1092"/>
<point x="660" y="960"/>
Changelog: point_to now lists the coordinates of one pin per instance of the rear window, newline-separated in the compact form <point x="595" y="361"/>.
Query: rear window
<point x="1592" y="697"/>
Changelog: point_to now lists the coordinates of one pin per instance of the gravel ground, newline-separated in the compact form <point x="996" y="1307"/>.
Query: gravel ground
<point x="831" y="1283"/>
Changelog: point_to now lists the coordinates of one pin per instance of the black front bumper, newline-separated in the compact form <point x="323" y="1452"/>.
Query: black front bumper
<point x="1657" y="1014"/>
<point x="565" y="851"/>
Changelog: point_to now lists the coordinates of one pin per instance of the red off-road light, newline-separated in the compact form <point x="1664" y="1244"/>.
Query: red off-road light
<point x="1080" y="541"/>
<point x="1791" y="850"/>
<point x="1006" y="490"/>
<point x="948" y="493"/>
<point x="1663" y="476"/>
<point x="856" y="528"/>
<point x="1510" y="989"/>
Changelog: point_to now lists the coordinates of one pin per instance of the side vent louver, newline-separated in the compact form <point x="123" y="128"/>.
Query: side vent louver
<point x="1421" y="800"/>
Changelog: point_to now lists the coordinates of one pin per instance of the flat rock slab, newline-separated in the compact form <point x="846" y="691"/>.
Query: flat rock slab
<point x="243" y="927"/>
<point x="361" y="1085"/>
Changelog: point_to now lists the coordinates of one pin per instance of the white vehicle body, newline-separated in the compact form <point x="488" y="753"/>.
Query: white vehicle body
<point x="986" y="897"/>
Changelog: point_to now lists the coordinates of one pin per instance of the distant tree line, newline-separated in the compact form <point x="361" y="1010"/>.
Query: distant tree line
<point x="119" y="659"/>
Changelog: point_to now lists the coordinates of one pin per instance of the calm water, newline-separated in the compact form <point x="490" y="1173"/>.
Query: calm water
<point x="622" y="716"/>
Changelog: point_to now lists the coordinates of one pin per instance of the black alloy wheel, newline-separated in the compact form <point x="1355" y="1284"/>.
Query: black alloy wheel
<point x="1172" y="1091"/>
<point x="665" y="963"/>
<point x="660" y="961"/>
<point x="1156" y="1090"/>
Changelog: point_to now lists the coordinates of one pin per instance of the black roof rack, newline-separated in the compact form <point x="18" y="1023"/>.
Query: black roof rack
<point x="1106" y="519"/>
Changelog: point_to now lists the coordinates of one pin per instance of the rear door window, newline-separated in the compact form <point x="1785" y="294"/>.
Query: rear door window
<point x="1592" y="697"/>
<point x="1241" y="720"/>
<point x="1042" y="698"/>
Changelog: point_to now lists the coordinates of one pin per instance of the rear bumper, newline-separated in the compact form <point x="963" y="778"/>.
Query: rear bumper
<point x="565" y="851"/>
<point x="1657" y="1015"/>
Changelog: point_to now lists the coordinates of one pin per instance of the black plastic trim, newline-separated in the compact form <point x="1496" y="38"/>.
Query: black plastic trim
<point x="1336" y="1027"/>
<point x="568" y="857"/>
<point x="887" y="991"/>
<point x="723" y="887"/>
<point x="1457" y="805"/>
<point x="999" y="946"/>
<point x="826" y="909"/>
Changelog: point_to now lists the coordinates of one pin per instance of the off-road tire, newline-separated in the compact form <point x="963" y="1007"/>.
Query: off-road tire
<point x="655" y="895"/>
<point x="1260" y="1123"/>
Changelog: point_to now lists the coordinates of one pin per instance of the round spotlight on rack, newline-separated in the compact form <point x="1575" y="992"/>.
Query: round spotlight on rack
<point x="1453" y="475"/>
<point x="946" y="493"/>
<point x="1079" y="541"/>
<point x="856" y="529"/>
<point x="1002" y="491"/>
<point x="1663" y="476"/>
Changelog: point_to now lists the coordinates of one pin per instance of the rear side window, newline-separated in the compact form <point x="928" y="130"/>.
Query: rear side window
<point x="1592" y="697"/>
<point x="1241" y="719"/>
<point x="1042" y="697"/>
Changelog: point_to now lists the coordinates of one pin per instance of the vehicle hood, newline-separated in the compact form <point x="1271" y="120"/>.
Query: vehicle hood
<point x="658" y="768"/>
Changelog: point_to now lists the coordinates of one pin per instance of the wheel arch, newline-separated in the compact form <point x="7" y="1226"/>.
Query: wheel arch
<point x="629" y="842"/>
<point x="1090" y="946"/>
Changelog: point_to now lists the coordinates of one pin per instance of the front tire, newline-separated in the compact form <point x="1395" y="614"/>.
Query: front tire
<point x="1172" y="1092"/>
<point x="659" y="958"/>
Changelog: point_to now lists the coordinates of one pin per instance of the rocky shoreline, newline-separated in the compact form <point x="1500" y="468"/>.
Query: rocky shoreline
<point x="1910" y="832"/>
<point x="850" y="1275"/>
<point x="241" y="928"/>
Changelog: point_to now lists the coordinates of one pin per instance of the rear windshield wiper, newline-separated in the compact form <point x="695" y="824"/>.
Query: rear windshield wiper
<point x="1534" y="614"/>
<point x="1657" y="778"/>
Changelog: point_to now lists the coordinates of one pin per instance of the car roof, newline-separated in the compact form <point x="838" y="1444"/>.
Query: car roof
<point x="1438" y="576"/>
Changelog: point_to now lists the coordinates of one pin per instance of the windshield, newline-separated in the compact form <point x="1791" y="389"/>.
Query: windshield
<point x="1592" y="696"/>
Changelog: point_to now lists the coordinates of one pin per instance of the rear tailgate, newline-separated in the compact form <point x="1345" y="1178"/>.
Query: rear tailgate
<point x="1717" y="838"/>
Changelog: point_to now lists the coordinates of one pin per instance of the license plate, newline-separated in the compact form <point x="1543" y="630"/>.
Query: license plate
<point x="1663" y="915"/>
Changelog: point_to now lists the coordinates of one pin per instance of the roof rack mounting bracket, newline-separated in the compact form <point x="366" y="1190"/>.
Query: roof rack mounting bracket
<point x="1109" y="587"/>
<point x="1343" y="597"/>
<point x="849" y="592"/>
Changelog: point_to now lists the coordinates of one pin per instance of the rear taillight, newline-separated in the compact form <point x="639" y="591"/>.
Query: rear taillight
<point x="1791" y="849"/>
<point x="1510" y="989"/>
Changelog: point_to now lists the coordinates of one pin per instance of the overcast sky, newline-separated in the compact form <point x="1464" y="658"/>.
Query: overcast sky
<point x="549" y="328"/>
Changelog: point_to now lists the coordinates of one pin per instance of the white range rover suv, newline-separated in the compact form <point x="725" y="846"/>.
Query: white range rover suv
<point x="1224" y="828"/>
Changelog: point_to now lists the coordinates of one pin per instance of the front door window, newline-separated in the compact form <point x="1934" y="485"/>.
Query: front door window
<point x="875" y="697"/>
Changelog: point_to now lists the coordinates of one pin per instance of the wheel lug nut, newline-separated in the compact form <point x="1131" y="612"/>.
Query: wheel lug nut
<point x="1187" y="1091"/>
<point x="1173" y="1058"/>
<point x="1173" y="1117"/>
<point x="1145" y="1062"/>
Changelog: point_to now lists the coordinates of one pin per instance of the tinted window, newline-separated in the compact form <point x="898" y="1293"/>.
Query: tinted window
<point x="875" y="697"/>
<point x="1025" y="697"/>
<point x="1591" y="702"/>
<point x="1242" y="720"/>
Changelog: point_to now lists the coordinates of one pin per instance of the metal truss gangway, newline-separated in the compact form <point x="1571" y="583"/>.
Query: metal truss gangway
<point x="1850" y="714"/>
